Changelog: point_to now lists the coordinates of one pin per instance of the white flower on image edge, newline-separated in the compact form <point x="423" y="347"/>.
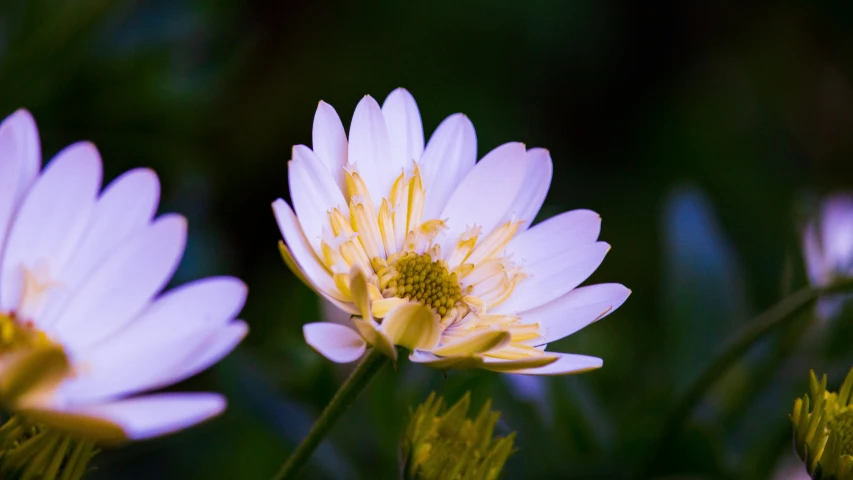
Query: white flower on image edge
<point x="828" y="241"/>
<point x="83" y="320"/>
<point x="369" y="207"/>
<point x="828" y="249"/>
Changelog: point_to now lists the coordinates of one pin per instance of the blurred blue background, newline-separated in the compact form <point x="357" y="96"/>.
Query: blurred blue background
<point x="703" y="134"/>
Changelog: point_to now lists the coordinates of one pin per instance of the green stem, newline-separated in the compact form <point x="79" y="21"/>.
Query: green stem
<point x="346" y="395"/>
<point x="754" y="331"/>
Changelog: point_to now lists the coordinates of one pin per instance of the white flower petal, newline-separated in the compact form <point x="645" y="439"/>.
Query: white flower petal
<point x="137" y="418"/>
<point x="51" y="219"/>
<point x="19" y="140"/>
<point x="553" y="277"/>
<point x="167" y="359"/>
<point x="485" y="195"/>
<point x="405" y="130"/>
<point x="816" y="265"/>
<point x="205" y="303"/>
<point x="10" y="167"/>
<point x="531" y="196"/>
<point x="217" y="348"/>
<point x="558" y="234"/>
<point x="334" y="341"/>
<point x="304" y="256"/>
<point x="20" y="159"/>
<point x="123" y="284"/>
<point x="574" y="311"/>
<point x="125" y="207"/>
<point x="370" y="151"/>
<point x="566" y="364"/>
<point x="314" y="193"/>
<point x="330" y="142"/>
<point x="837" y="233"/>
<point x="447" y="159"/>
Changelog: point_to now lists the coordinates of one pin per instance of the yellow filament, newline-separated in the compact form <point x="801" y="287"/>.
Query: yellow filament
<point x="494" y="242"/>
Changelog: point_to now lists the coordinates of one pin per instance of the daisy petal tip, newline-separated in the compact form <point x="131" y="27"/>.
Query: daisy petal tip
<point x="147" y="174"/>
<point x="619" y="293"/>
<point x="184" y="410"/>
<point x="175" y="222"/>
<point x="22" y="117"/>
<point x="400" y="92"/>
<point x="368" y="101"/>
<point x="277" y="204"/>
<point x="242" y="326"/>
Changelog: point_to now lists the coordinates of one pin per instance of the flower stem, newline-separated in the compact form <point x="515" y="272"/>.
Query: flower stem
<point x="345" y="396"/>
<point x="780" y="313"/>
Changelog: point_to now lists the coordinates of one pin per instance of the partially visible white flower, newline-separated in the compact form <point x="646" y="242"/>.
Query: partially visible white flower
<point x="85" y="329"/>
<point x="828" y="241"/>
<point x="828" y="249"/>
<point x="431" y="250"/>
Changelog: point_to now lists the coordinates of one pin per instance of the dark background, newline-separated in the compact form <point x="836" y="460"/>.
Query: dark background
<point x="702" y="133"/>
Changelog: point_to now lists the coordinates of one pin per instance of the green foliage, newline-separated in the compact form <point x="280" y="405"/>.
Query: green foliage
<point x="31" y="452"/>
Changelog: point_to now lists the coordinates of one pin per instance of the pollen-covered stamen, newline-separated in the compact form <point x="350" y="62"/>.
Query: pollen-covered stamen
<point x="420" y="278"/>
<point x="14" y="334"/>
<point x="31" y="364"/>
<point x="841" y="425"/>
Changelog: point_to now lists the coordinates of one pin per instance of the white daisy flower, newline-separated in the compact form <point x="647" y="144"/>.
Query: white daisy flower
<point x="430" y="250"/>
<point x="828" y="241"/>
<point x="84" y="327"/>
<point x="828" y="250"/>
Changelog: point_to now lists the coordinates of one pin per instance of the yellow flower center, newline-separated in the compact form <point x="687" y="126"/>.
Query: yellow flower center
<point x="420" y="278"/>
<point x="841" y="424"/>
<point x="14" y="334"/>
<point x="30" y="362"/>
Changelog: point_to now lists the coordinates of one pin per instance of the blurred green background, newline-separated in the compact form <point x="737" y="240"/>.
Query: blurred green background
<point x="703" y="135"/>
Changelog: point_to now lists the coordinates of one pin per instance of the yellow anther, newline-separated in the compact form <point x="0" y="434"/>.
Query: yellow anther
<point x="340" y="224"/>
<point x="358" y="189"/>
<point x="14" y="334"/>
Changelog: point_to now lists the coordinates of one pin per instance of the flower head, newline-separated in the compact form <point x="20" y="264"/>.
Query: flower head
<point x="443" y="442"/>
<point x="430" y="250"/>
<point x="823" y="430"/>
<point x="84" y="326"/>
<point x="828" y="250"/>
<point x="828" y="241"/>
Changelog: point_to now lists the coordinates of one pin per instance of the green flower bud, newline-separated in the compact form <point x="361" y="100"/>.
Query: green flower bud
<point x="823" y="429"/>
<point x="443" y="443"/>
